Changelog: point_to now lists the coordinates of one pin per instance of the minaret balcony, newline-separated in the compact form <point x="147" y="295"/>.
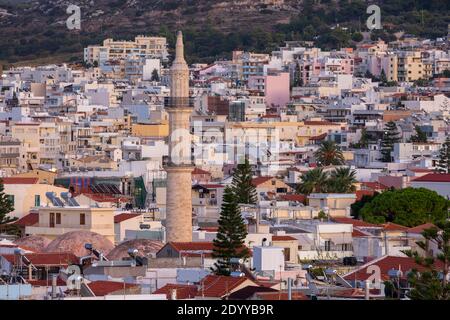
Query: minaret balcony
<point x="176" y="102"/>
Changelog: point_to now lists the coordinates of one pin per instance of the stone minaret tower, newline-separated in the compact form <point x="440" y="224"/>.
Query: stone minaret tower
<point x="179" y="164"/>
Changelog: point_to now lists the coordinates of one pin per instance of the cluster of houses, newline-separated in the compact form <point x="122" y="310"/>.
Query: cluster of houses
<point x="83" y="148"/>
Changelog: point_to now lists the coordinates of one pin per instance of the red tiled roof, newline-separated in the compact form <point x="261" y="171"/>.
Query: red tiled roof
<point x="47" y="283"/>
<point x="318" y="123"/>
<point x="293" y="197"/>
<point x="283" y="238"/>
<point x="362" y="193"/>
<point x="209" y="229"/>
<point x="29" y="220"/>
<point x="434" y="177"/>
<point x="393" y="227"/>
<point x="385" y="264"/>
<point x="47" y="259"/>
<point x="219" y="286"/>
<point x="355" y="222"/>
<point x="421" y="228"/>
<point x="199" y="171"/>
<point x="125" y="216"/>
<point x="19" y="180"/>
<point x="184" y="291"/>
<point x="260" y="180"/>
<point x="102" y="288"/>
<point x="357" y="234"/>
<point x="247" y="292"/>
<point x="280" y="296"/>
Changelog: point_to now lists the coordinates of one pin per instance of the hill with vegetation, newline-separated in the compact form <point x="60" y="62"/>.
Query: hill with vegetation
<point x="31" y="30"/>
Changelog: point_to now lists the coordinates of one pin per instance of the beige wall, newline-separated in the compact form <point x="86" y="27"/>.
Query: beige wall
<point x="24" y="196"/>
<point x="98" y="220"/>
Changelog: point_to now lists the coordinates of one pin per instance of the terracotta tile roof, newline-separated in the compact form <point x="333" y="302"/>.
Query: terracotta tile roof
<point x="209" y="229"/>
<point x="283" y="238"/>
<point x="293" y="197"/>
<point x="184" y="291"/>
<point x="357" y="234"/>
<point x="219" y="286"/>
<point x="421" y="228"/>
<point x="355" y="222"/>
<point x="47" y="283"/>
<point x="386" y="263"/>
<point x="434" y="177"/>
<point x="374" y="185"/>
<point x="393" y="227"/>
<point x="47" y="259"/>
<point x="260" y="180"/>
<point x="354" y="293"/>
<point x="19" y="180"/>
<point x="420" y="170"/>
<point x="103" y="288"/>
<point x="362" y="193"/>
<point x="29" y="220"/>
<point x="247" y="292"/>
<point x="200" y="171"/>
<point x="280" y="296"/>
<point x="125" y="216"/>
<point x="318" y="123"/>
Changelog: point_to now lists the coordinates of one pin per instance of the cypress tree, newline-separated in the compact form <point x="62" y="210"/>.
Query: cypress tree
<point x="6" y="206"/>
<point x="443" y="165"/>
<point x="229" y="241"/>
<point x="390" y="137"/>
<point x="420" y="135"/>
<point x="243" y="189"/>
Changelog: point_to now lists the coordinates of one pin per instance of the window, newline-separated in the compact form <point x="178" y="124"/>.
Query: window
<point x="11" y="198"/>
<point x="37" y="200"/>
<point x="58" y="218"/>
<point x="328" y="245"/>
<point x="82" y="219"/>
<point x="51" y="221"/>
<point x="287" y="254"/>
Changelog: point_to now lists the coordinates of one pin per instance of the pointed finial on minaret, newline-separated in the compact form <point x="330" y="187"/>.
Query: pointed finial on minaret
<point x="179" y="51"/>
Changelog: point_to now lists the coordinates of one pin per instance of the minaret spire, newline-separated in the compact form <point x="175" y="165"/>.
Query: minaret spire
<point x="179" y="50"/>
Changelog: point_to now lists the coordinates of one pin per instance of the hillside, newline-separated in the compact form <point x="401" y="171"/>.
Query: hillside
<point x="36" y="29"/>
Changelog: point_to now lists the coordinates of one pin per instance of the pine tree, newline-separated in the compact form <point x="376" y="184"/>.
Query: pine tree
<point x="383" y="78"/>
<point x="390" y="137"/>
<point x="443" y="165"/>
<point x="420" y="135"/>
<point x="229" y="241"/>
<point x="244" y="190"/>
<point x="6" y="206"/>
<point x="155" y="75"/>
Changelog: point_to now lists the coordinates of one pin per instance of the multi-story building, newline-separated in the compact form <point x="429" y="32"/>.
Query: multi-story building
<point x="410" y="66"/>
<point x="142" y="46"/>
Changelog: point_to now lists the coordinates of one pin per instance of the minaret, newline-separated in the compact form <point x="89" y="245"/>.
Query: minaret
<point x="179" y="165"/>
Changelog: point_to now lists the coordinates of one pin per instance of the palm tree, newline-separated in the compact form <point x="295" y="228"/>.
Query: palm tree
<point x="328" y="154"/>
<point x="342" y="180"/>
<point x="313" y="181"/>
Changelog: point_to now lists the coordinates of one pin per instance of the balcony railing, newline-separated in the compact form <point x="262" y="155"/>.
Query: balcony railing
<point x="178" y="102"/>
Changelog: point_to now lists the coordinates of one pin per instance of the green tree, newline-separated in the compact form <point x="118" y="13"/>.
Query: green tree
<point x="431" y="283"/>
<point x="313" y="181"/>
<point x="328" y="154"/>
<point x="390" y="137"/>
<point x="357" y="37"/>
<point x="229" y="241"/>
<point x="244" y="190"/>
<point x="408" y="207"/>
<point x="342" y="180"/>
<point x="443" y="165"/>
<point x="6" y="206"/>
<point x="420" y="135"/>
<point x="383" y="78"/>
<point x="155" y="76"/>
<point x="358" y="205"/>
<point x="364" y="140"/>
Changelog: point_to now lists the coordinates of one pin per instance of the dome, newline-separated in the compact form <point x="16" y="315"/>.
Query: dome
<point x="34" y="243"/>
<point x="145" y="248"/>
<point x="74" y="242"/>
